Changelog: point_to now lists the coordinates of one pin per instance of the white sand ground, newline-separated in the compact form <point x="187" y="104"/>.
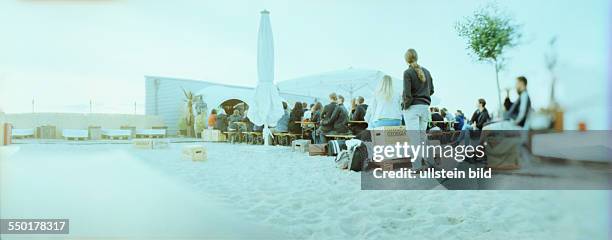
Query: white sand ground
<point x="272" y="189"/>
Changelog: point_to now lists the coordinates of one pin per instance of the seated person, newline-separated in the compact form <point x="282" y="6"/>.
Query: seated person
<point x="459" y="120"/>
<point x="436" y="116"/>
<point x="449" y="117"/>
<point x="359" y="115"/>
<point x="235" y="121"/>
<point x="296" y="116"/>
<point x="477" y="122"/>
<point x="316" y="112"/>
<point x="221" y="122"/>
<point x="334" y="119"/>
<point x="385" y="108"/>
<point x="518" y="111"/>
<point x="212" y="119"/>
<point x="281" y="124"/>
<point x="480" y="116"/>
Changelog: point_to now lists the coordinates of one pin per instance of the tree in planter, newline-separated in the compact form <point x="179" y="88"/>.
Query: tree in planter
<point x="189" y="118"/>
<point x="489" y="33"/>
<point x="182" y="125"/>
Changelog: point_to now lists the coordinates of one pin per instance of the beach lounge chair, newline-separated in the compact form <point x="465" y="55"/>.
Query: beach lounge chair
<point x="75" y="134"/>
<point x="151" y="133"/>
<point x="22" y="132"/>
<point x="116" y="133"/>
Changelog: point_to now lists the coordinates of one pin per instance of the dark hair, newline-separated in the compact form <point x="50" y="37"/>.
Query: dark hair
<point x="333" y="96"/>
<point x="360" y="99"/>
<point x="482" y="102"/>
<point x="214" y="111"/>
<point x="285" y="105"/>
<point x="318" y="106"/>
<point x="522" y="79"/>
<point x="297" y="107"/>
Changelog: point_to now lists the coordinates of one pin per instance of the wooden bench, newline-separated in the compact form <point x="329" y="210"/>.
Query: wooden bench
<point x="253" y="137"/>
<point x="339" y="136"/>
<point x="233" y="136"/>
<point x="286" y="138"/>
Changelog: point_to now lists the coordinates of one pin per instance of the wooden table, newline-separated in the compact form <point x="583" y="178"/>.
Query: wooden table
<point x="305" y="125"/>
<point x="338" y="136"/>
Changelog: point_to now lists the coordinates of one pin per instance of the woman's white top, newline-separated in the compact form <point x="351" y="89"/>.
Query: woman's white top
<point x="381" y="108"/>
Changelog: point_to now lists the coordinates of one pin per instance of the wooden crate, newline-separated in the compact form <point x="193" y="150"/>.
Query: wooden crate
<point x="195" y="153"/>
<point x="300" y="145"/>
<point x="142" y="143"/>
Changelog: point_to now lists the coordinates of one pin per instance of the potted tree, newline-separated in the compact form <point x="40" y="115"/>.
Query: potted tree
<point x="489" y="33"/>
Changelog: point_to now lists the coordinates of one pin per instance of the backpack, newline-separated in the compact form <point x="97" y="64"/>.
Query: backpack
<point x="334" y="147"/>
<point x="359" y="158"/>
<point x="353" y="157"/>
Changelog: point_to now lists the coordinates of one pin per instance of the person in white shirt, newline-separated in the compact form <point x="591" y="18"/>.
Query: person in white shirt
<point x="385" y="107"/>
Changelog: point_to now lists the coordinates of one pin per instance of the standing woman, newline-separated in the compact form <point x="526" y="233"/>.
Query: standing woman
<point x="416" y="98"/>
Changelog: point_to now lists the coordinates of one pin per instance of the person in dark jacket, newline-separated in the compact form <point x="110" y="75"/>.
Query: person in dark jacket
<point x="416" y="98"/>
<point x="477" y="122"/>
<point x="359" y="115"/>
<point x="333" y="119"/>
<point x="518" y="111"/>
<point x="480" y="116"/>
<point x="339" y="119"/>
<point x="295" y="116"/>
<point x="436" y="115"/>
<point x="236" y="122"/>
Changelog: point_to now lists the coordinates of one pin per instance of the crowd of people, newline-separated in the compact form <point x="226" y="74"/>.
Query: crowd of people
<point x="411" y="109"/>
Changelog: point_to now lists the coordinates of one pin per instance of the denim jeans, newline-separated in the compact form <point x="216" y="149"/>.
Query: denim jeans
<point x="386" y="123"/>
<point x="416" y="118"/>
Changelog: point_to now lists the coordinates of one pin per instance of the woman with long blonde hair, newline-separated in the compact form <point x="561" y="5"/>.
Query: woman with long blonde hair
<point x="416" y="98"/>
<point x="384" y="109"/>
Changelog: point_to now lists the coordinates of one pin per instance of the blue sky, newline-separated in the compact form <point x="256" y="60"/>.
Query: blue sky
<point x="63" y="53"/>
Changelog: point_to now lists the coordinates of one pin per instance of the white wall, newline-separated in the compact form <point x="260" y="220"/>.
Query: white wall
<point x="82" y="120"/>
<point x="165" y="99"/>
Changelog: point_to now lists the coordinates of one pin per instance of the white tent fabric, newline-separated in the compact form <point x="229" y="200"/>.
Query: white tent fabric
<point x="266" y="108"/>
<point x="350" y="83"/>
<point x="214" y="96"/>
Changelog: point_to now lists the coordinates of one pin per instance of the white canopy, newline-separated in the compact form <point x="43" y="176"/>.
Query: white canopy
<point x="350" y="83"/>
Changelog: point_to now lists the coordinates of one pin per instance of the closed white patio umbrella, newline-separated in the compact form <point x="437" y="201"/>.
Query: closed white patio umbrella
<point x="267" y="106"/>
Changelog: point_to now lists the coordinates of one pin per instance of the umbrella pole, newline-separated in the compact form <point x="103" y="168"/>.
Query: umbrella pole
<point x="266" y="134"/>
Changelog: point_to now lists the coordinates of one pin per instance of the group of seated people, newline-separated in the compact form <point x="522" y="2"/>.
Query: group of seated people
<point x="315" y="121"/>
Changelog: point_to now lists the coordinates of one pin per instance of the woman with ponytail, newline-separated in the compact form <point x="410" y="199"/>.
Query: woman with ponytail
<point x="416" y="98"/>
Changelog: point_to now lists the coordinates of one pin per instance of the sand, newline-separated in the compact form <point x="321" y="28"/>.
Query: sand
<point x="283" y="193"/>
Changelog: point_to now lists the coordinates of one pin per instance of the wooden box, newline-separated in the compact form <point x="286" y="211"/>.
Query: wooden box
<point x="300" y="145"/>
<point x="317" y="149"/>
<point x="388" y="165"/>
<point x="195" y="153"/>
